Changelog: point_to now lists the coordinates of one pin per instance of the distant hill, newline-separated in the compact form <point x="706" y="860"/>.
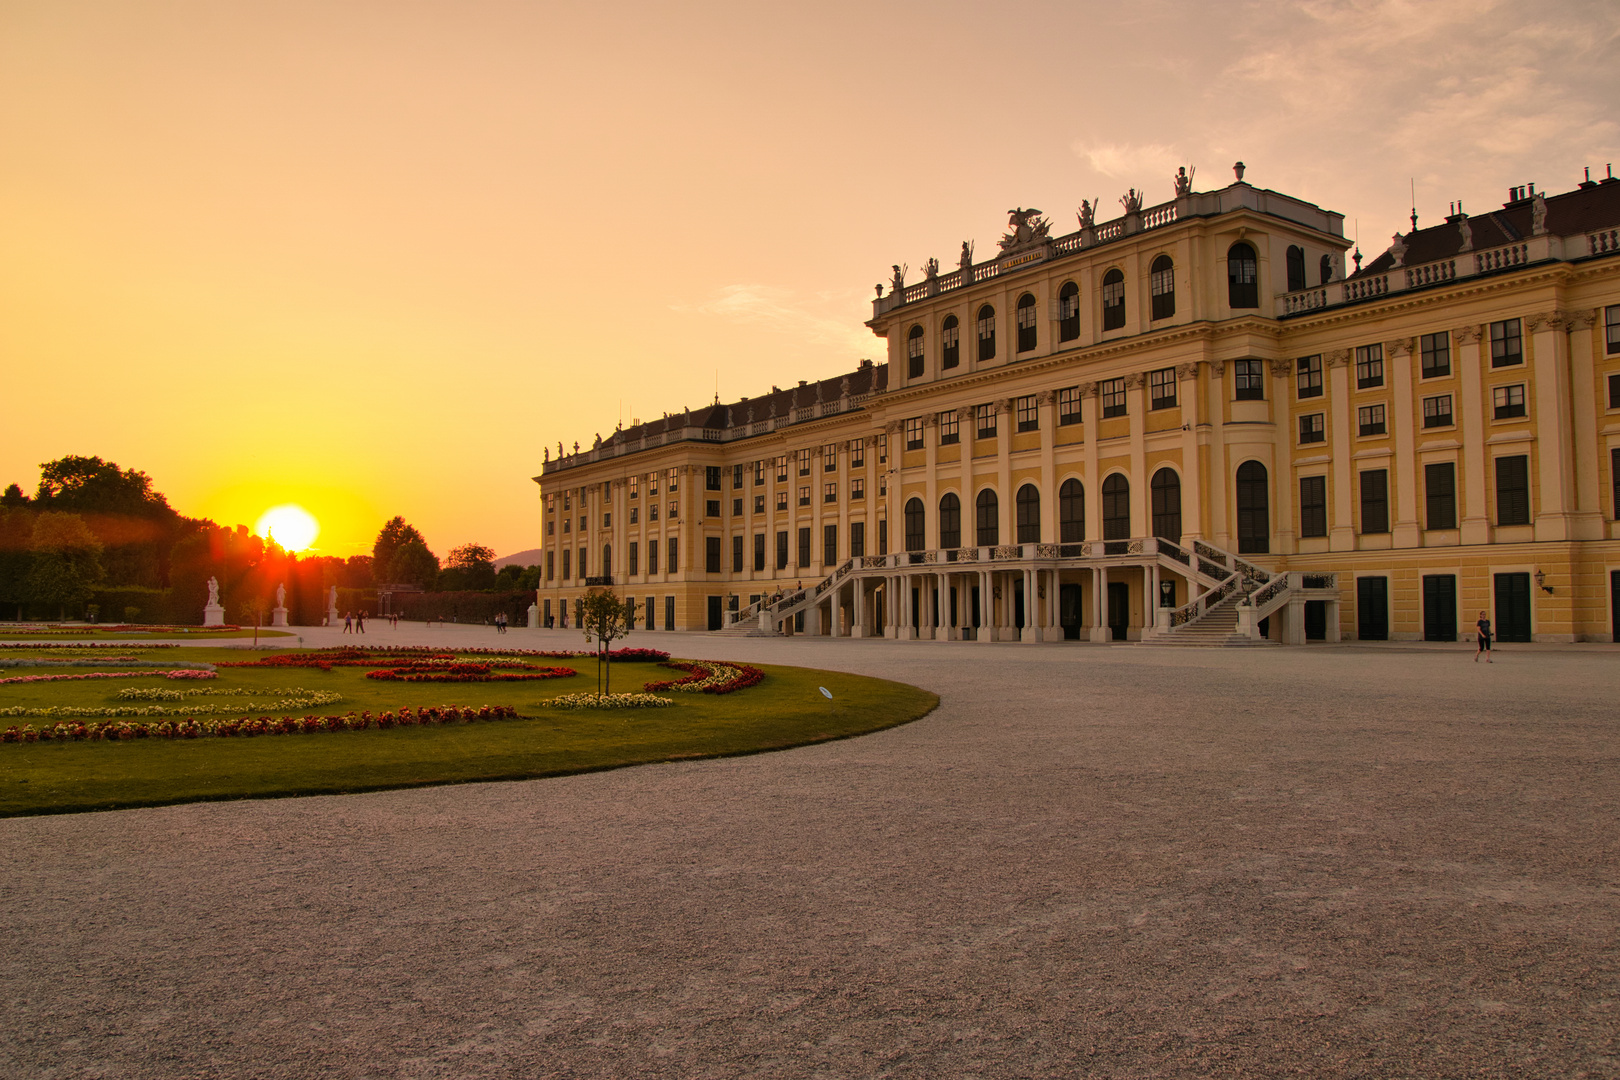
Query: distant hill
<point x="532" y="557"/>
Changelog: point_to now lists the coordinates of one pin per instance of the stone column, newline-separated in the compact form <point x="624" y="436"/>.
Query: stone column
<point x="1099" y="591"/>
<point x="1005" y="528"/>
<point x="1088" y="421"/>
<point x="858" y="609"/>
<point x="1341" y="526"/>
<point x="1404" y="468"/>
<point x="1046" y="412"/>
<point x="1192" y="471"/>
<point x="1587" y="514"/>
<point x="1554" y="455"/>
<point x="1282" y="523"/>
<point x="1141" y="493"/>
<point x="1475" y="522"/>
<point x="1219" y="487"/>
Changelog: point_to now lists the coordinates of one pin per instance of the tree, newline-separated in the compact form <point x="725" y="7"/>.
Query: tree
<point x="135" y="524"/>
<point x="16" y="555"/>
<point x="470" y="566"/>
<point x="394" y="537"/>
<point x="412" y="564"/>
<point x="603" y="618"/>
<point x="66" y="563"/>
<point x="13" y="497"/>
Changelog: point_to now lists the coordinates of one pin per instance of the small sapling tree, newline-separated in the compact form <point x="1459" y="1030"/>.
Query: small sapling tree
<point x="603" y="618"/>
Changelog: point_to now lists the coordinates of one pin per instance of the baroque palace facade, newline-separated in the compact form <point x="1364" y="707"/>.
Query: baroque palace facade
<point x="1185" y="423"/>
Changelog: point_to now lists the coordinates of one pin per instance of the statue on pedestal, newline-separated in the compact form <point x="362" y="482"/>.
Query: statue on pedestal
<point x="213" y="613"/>
<point x="213" y="592"/>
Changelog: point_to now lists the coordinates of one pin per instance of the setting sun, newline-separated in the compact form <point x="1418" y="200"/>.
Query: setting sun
<point x="291" y="526"/>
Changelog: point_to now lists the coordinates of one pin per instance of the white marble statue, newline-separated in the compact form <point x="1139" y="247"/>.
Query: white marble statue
<point x="213" y="592"/>
<point x="281" y="595"/>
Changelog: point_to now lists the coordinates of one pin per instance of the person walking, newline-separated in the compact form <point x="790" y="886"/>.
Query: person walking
<point x="360" y="622"/>
<point x="1484" y="628"/>
<point x="348" y="622"/>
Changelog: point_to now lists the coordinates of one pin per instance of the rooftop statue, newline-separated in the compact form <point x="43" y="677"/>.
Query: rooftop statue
<point x="1027" y="226"/>
<point x="1131" y="201"/>
<point x="1538" y="214"/>
<point x="899" y="285"/>
<point x="967" y="255"/>
<point x="931" y="268"/>
<point x="1087" y="214"/>
<point x="1183" y="181"/>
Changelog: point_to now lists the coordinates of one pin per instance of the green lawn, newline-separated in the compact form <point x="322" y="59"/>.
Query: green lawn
<point x="787" y="709"/>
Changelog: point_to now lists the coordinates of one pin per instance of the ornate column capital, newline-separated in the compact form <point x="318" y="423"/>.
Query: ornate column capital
<point x="1186" y="371"/>
<point x="1134" y="380"/>
<point x="1045" y="397"/>
<point x="1546" y="320"/>
<point x="1282" y="368"/>
<point x="1399" y="347"/>
<point x="1337" y="358"/>
<point x="1584" y="319"/>
<point x="964" y="415"/>
<point x="1217" y="369"/>
<point x="1088" y="389"/>
<point x="1469" y="335"/>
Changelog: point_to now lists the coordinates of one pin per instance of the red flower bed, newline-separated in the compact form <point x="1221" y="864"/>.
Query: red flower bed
<point x="247" y="726"/>
<point x="746" y="676"/>
<point x="469" y="672"/>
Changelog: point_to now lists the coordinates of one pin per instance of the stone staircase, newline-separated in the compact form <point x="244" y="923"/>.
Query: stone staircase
<point x="741" y="630"/>
<point x="1217" y="629"/>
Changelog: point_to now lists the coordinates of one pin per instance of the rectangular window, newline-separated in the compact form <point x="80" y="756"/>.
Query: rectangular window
<point x="857" y="539"/>
<point x="781" y="469"/>
<point x="857" y="488"/>
<point x="804" y="546"/>
<point x="711" y="554"/>
<point x="882" y="449"/>
<point x="829" y="545"/>
<point x="568" y="497"/>
<point x="1029" y="418"/>
<point x="711" y="478"/>
<point x="1312" y="428"/>
<point x="551" y="500"/>
<point x="829" y="458"/>
<point x="759" y="553"/>
<point x="1440" y="495"/>
<point x="883" y="536"/>
<point x="804" y="462"/>
<point x="635" y="515"/>
<point x="829" y="493"/>
<point x="1369" y="366"/>
<point x="804" y="495"/>
<point x="737" y="554"/>
<point x="1162" y="388"/>
<point x="1437" y="411"/>
<point x="1249" y="380"/>
<point x="949" y="431"/>
<point x="568" y="525"/>
<point x="736" y="477"/>
<point x="914" y="433"/>
<point x="551" y="526"/>
<point x="652" y="487"/>
<point x="711" y="508"/>
<point x="1507" y="401"/>
<point x="759" y="504"/>
<point x="1313" y="506"/>
<point x="669" y="613"/>
<point x="1436" y="354"/>
<point x="782" y="550"/>
<point x="1507" y="343"/>
<point x="1614" y="391"/>
<point x="652" y="556"/>
<point x="1112" y="392"/>
<point x="984" y="418"/>
<point x="551" y="566"/>
<point x="568" y="555"/>
<point x="1308" y="376"/>
<point x="781" y="499"/>
<point x="672" y="480"/>
<point x="1375" y="501"/>
<point x="1611" y="329"/>
<point x="635" y="560"/>
<point x="582" y="571"/>
<point x="857" y="454"/>
<point x="1513" y="490"/>
<point x="736" y="507"/>
<point x="1614" y="491"/>
<point x="635" y="486"/>
<point x="674" y="554"/>
<point x="759" y="474"/>
<point x="1068" y="406"/>
<point x="1370" y="420"/>
<point x="652" y="514"/>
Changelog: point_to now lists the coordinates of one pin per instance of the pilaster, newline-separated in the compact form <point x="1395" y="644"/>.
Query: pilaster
<point x="1476" y="527"/>
<point x="1341" y="527"/>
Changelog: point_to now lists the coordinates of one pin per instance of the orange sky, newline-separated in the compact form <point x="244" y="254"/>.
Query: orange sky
<point x="370" y="257"/>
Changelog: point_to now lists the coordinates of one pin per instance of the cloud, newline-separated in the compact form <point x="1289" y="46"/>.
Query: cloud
<point x="831" y="319"/>
<point x="1127" y="161"/>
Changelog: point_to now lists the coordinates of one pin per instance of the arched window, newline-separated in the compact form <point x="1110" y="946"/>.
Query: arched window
<point x="1296" y="267"/>
<point x="1327" y="269"/>
<point x="1163" y="283"/>
<point x="1068" y="312"/>
<point x="950" y="521"/>
<point x="1028" y="505"/>
<point x="950" y="343"/>
<point x="914" y="353"/>
<point x="1116" y="508"/>
<point x="1242" y="276"/>
<point x="1026" y="323"/>
<point x="1071" y="512"/>
<point x="1253" y="509"/>
<point x="914" y="525"/>
<point x="1113" y="298"/>
<point x="1166" y="494"/>
<point x="989" y="530"/>
<point x="987" y="333"/>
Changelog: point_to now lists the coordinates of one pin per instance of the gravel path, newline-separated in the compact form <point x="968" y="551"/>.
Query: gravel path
<point x="1089" y="862"/>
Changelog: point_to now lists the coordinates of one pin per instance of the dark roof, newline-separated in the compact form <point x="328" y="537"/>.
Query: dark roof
<point x="866" y="379"/>
<point x="1574" y="213"/>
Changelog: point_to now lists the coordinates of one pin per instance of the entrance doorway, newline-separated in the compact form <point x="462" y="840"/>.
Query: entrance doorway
<point x="1018" y="605"/>
<point x="715" y="618"/>
<point x="1119" y="610"/>
<point x="1069" y="610"/>
<point x="1439" y="607"/>
<point x="1513" y="607"/>
<point x="1316" y="620"/>
<point x="1372" y="608"/>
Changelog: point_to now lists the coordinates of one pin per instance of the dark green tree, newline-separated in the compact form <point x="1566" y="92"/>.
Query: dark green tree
<point x="604" y="619"/>
<point x="66" y="562"/>
<point x="413" y="564"/>
<point x="13" y="497"/>
<point x="135" y="524"/>
<point x="16" y="555"/>
<point x="470" y="566"/>
<point x="395" y="536"/>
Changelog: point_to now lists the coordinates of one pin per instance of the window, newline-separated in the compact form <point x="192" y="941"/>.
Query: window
<point x="1312" y="428"/>
<point x="1375" y="501"/>
<point x="1026" y="322"/>
<point x="984" y="419"/>
<point x="1507" y="401"/>
<point x="568" y="525"/>
<point x="857" y="454"/>
<point x="857" y="488"/>
<point x="803" y="459"/>
<point x="1440" y="495"/>
<point x="829" y="458"/>
<point x="949" y="431"/>
<point x="652" y="515"/>
<point x="1614" y="491"/>
<point x="669" y="613"/>
<point x="1313" y="506"/>
<point x="1435" y="350"/>
<point x="1112" y="392"/>
<point x="914" y="353"/>
<point x="1249" y="380"/>
<point x="1437" y="411"/>
<point x="635" y="514"/>
<point x="759" y="552"/>
<point x="551" y="565"/>
<point x="551" y="526"/>
<point x="1369" y="366"/>
<point x="950" y="521"/>
<point x="1507" y="343"/>
<point x="1253" y="509"/>
<point x="1296" y="267"/>
<point x="988" y="519"/>
<point x="1512" y="490"/>
<point x="1116" y="508"/>
<point x="635" y="487"/>
<point x="882" y="448"/>
<point x="987" y="333"/>
<point x="635" y="559"/>
<point x="567" y="554"/>
<point x="1027" y="508"/>
<point x="759" y="474"/>
<point x="857" y="539"/>
<point x="759" y="504"/>
<point x="1069" y="312"/>
<point x="711" y="478"/>
<point x="915" y="541"/>
<point x="711" y="508"/>
<point x="652" y="487"/>
<point x="673" y="480"/>
<point x="804" y="546"/>
<point x="1028" y="414"/>
<point x="551" y="500"/>
<point x="1165" y="497"/>
<point x="950" y="337"/>
<point x="1071" y="512"/>
<point x="1611" y="329"/>
<point x="736" y="507"/>
<point x="782" y="550"/>
<point x="567" y="500"/>
<point x="607" y="521"/>
<point x="1162" y="283"/>
<point x="829" y="545"/>
<point x="914" y="433"/>
<point x="781" y="499"/>
<point x="1308" y="377"/>
<point x="1113" y="300"/>
<point x="883" y="536"/>
<point x="804" y="494"/>
<point x="674" y="554"/>
<point x="1162" y="389"/>
<point x="1068" y="406"/>
<point x="736" y="477"/>
<point x="1370" y="419"/>
<point x="711" y="554"/>
<point x="781" y="469"/>
<point x="1242" y="276"/>
<point x="1614" y="391"/>
<point x="829" y="493"/>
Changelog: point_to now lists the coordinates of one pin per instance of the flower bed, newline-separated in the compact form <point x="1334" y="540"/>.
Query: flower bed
<point x="352" y="656"/>
<point x="709" y="677"/>
<point x="90" y="645"/>
<point x="246" y="726"/>
<point x="608" y="701"/>
<point x="100" y="662"/>
<point x="431" y="671"/>
<point x="295" y="699"/>
<point x="190" y="673"/>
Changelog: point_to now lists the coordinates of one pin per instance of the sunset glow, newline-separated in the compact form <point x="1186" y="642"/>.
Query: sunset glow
<point x="291" y="526"/>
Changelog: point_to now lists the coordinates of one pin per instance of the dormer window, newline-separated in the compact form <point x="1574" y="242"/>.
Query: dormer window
<point x="1113" y="300"/>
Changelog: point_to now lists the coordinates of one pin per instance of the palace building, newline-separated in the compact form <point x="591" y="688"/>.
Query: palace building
<point x="1184" y="424"/>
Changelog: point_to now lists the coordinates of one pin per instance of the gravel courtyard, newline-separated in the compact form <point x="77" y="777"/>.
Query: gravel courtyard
<point x="1090" y="861"/>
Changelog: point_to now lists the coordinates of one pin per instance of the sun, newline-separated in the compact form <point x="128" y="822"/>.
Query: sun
<point x="291" y="526"/>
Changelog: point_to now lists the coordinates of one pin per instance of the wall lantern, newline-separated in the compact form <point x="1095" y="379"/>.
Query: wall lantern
<point x="1541" y="580"/>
